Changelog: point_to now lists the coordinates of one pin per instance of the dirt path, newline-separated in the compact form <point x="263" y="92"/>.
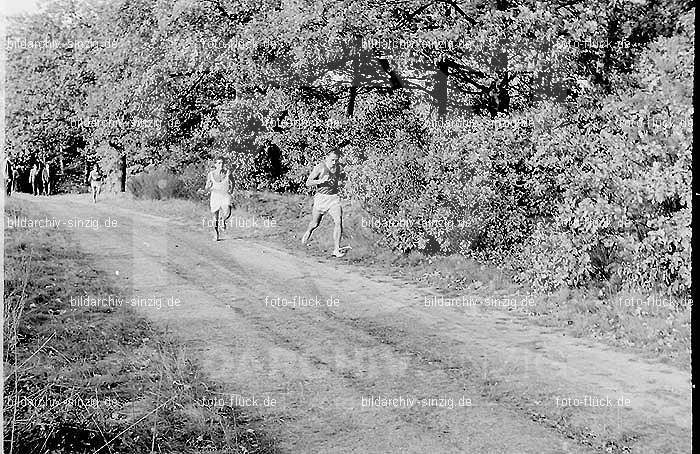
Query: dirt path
<point x="483" y="382"/>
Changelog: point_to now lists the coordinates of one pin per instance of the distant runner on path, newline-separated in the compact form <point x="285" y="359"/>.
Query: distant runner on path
<point x="95" y="182"/>
<point x="325" y="177"/>
<point x="219" y="183"/>
<point x="46" y="178"/>
<point x="34" y="179"/>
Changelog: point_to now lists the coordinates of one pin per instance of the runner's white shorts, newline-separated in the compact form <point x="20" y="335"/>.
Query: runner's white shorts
<point x="219" y="201"/>
<point x="323" y="203"/>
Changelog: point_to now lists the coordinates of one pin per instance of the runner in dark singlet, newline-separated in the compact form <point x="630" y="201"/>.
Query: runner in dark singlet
<point x="325" y="177"/>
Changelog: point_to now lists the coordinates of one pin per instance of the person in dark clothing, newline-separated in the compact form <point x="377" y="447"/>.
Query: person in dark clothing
<point x="325" y="177"/>
<point x="7" y="175"/>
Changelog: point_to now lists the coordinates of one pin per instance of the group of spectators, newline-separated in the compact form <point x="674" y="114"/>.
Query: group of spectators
<point x="39" y="178"/>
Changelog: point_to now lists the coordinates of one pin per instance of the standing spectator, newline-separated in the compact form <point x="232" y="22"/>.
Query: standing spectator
<point x="7" y="175"/>
<point x="15" y="179"/>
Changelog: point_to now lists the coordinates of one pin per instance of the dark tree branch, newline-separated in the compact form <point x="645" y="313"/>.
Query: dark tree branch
<point x="466" y="78"/>
<point x="456" y="7"/>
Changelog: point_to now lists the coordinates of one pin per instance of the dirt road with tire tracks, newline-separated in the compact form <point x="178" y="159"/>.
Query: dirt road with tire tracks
<point x="334" y="361"/>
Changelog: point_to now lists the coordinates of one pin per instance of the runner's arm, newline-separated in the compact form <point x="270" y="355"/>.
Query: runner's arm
<point x="207" y="186"/>
<point x="230" y="180"/>
<point x="230" y="188"/>
<point x="313" y="179"/>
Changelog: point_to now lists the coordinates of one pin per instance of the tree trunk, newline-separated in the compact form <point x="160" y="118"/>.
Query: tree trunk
<point x="499" y="94"/>
<point x="123" y="173"/>
<point x="355" y="77"/>
<point x="440" y="90"/>
<point x="351" y="102"/>
<point x="122" y="163"/>
<point x="504" y="95"/>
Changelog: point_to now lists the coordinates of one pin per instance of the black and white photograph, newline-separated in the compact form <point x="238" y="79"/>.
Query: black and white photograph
<point x="347" y="226"/>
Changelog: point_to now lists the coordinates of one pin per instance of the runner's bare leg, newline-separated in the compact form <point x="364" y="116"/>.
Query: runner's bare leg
<point x="337" y="213"/>
<point x="313" y="224"/>
<point x="215" y="218"/>
<point x="225" y="214"/>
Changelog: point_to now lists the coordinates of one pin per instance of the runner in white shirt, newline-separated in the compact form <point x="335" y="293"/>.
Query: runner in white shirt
<point x="219" y="183"/>
<point x="95" y="183"/>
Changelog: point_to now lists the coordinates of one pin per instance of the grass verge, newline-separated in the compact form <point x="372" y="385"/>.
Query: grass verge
<point x="98" y="379"/>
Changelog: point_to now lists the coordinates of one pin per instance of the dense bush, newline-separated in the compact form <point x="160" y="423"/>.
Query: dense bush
<point x="477" y="187"/>
<point x="625" y="212"/>
<point x="380" y="122"/>
<point x="596" y="192"/>
<point x="192" y="179"/>
<point x="156" y="184"/>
